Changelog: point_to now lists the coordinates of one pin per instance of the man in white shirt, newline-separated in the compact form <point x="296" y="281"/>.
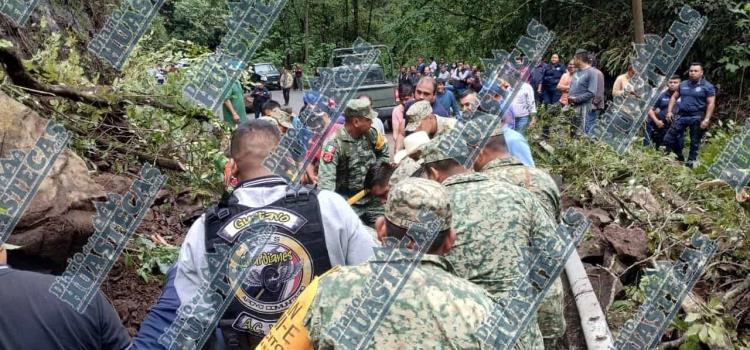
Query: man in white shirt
<point x="523" y="107"/>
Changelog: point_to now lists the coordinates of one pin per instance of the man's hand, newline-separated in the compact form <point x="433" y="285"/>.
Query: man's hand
<point x="659" y="124"/>
<point x="669" y="117"/>
<point x="532" y="123"/>
<point x="236" y="117"/>
<point x="705" y="123"/>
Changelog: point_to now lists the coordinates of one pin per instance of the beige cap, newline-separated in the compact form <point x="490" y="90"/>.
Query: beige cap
<point x="417" y="113"/>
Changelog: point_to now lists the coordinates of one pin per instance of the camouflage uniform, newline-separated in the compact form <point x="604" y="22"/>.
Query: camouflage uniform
<point x="421" y="110"/>
<point x="494" y="222"/>
<point x="551" y="312"/>
<point x="345" y="161"/>
<point x="434" y="309"/>
<point x="405" y="169"/>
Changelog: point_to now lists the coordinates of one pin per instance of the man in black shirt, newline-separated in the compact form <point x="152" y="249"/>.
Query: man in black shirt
<point x="33" y="318"/>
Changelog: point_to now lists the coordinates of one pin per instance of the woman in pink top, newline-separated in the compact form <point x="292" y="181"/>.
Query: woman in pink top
<point x="564" y="84"/>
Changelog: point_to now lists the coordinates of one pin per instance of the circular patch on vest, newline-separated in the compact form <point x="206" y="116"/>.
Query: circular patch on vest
<point x="277" y="275"/>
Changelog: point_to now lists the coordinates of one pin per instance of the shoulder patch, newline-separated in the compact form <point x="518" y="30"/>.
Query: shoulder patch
<point x="328" y="153"/>
<point x="379" y="140"/>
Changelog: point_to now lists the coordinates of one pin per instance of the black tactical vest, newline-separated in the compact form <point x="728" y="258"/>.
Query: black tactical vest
<point x="295" y="254"/>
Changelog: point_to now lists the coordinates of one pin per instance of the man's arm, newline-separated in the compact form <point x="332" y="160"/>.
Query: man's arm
<point x="711" y="100"/>
<point x="111" y="332"/>
<point x="329" y="159"/>
<point x="235" y="116"/>
<point x="654" y="118"/>
<point x="398" y="128"/>
<point x="672" y="101"/>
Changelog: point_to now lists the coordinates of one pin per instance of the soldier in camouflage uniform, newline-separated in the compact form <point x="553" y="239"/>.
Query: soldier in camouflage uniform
<point x="495" y="162"/>
<point x="421" y="118"/>
<point x="434" y="309"/>
<point x="494" y="223"/>
<point x="347" y="156"/>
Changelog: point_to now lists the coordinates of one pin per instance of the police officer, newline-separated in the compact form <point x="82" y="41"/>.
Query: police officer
<point x="348" y="154"/>
<point x="553" y="71"/>
<point x="314" y="231"/>
<point x="657" y="125"/>
<point x="494" y="222"/>
<point x="697" y="102"/>
<point x="434" y="309"/>
<point x="495" y="162"/>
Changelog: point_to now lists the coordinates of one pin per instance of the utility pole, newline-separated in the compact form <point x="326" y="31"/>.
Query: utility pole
<point x="637" y="9"/>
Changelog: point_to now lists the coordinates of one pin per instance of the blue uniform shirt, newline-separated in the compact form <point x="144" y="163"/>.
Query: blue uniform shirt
<point x="693" y="96"/>
<point x="552" y="75"/>
<point x="662" y="105"/>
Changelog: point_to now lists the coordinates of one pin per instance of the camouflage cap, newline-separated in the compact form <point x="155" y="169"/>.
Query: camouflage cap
<point x="442" y="148"/>
<point x="406" y="168"/>
<point x="282" y="118"/>
<point x="416" y="113"/>
<point x="358" y="108"/>
<point x="414" y="195"/>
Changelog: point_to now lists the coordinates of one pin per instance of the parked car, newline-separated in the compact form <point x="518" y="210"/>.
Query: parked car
<point x="267" y="70"/>
<point x="379" y="83"/>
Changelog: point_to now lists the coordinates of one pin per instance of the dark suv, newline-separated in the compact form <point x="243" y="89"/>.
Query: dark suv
<point x="268" y="71"/>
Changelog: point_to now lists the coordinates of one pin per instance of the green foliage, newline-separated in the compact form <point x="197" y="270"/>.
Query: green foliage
<point x="148" y="256"/>
<point x="199" y="21"/>
<point x="714" y="212"/>
<point x="711" y="327"/>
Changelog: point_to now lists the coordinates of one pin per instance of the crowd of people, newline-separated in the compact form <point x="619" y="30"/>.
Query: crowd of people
<point x="357" y="193"/>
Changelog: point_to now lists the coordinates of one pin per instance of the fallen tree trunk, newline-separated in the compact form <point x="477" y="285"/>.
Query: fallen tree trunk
<point x="593" y="322"/>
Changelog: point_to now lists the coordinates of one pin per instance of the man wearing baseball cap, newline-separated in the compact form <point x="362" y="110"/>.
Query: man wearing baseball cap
<point x="420" y="117"/>
<point x="34" y="318"/>
<point x="349" y="153"/>
<point x="433" y="310"/>
<point x="489" y="217"/>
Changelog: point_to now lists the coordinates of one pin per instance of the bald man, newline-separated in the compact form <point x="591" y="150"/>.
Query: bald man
<point x="314" y="231"/>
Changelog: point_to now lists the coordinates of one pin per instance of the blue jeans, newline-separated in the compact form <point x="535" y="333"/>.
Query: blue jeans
<point x="550" y="95"/>
<point x="675" y="138"/>
<point x="520" y="124"/>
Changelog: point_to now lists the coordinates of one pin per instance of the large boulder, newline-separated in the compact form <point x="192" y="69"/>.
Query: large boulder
<point x="58" y="218"/>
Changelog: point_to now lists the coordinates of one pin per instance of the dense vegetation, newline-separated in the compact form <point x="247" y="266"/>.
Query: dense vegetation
<point x="137" y="120"/>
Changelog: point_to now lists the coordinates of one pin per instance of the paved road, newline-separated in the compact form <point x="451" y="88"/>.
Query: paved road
<point x="295" y="99"/>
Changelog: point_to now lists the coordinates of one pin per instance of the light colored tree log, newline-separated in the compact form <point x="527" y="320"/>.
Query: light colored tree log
<point x="593" y="322"/>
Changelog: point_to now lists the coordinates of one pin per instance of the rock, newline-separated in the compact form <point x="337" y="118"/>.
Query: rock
<point x="59" y="215"/>
<point x="628" y="243"/>
<point x="642" y="196"/>
<point x="606" y="286"/>
<point x="597" y="216"/>
<point x="591" y="249"/>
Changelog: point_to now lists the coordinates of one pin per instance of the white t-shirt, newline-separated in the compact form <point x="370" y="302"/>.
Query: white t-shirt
<point x="523" y="104"/>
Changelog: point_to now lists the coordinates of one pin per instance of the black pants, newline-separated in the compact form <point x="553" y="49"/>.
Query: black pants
<point x="285" y="92"/>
